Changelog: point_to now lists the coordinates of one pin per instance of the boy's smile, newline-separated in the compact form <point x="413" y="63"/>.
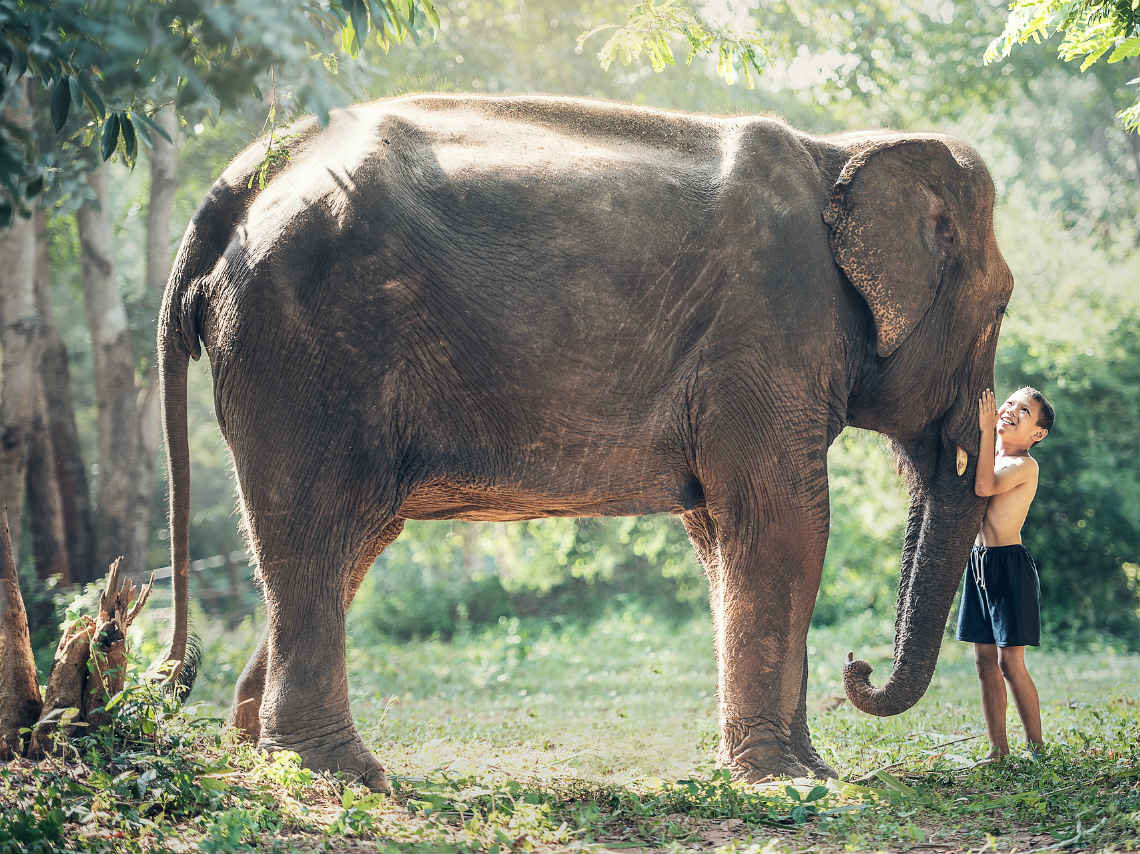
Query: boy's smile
<point x="1017" y="420"/>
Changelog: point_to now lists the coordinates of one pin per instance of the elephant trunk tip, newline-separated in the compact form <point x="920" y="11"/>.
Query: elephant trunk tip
<point x="857" y="684"/>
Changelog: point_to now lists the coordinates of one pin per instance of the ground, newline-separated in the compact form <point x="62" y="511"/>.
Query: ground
<point x="599" y="737"/>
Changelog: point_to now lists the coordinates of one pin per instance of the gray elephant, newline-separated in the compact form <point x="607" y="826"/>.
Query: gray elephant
<point x="455" y="307"/>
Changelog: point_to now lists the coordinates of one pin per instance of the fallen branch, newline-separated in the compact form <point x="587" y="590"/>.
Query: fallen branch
<point x="871" y="774"/>
<point x="89" y="668"/>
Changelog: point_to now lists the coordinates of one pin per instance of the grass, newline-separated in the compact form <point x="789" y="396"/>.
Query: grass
<point x="531" y="736"/>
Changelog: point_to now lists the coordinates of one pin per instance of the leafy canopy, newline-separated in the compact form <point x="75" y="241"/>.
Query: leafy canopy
<point x="108" y="65"/>
<point x="651" y="25"/>
<point x="1091" y="29"/>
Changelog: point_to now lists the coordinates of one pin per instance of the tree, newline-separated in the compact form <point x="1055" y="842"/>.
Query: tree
<point x="117" y="62"/>
<point x="19" y="340"/>
<point x="47" y="520"/>
<point x="1090" y="30"/>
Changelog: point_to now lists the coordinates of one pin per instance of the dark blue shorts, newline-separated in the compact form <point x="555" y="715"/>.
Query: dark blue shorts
<point x="1001" y="598"/>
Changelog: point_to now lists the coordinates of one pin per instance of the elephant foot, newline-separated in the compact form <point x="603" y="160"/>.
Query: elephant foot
<point x="343" y="754"/>
<point x="756" y="755"/>
<point x="806" y="753"/>
<point x="245" y="717"/>
<point x="814" y="763"/>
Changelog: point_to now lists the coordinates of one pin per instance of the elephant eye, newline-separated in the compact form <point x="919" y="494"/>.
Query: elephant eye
<point x="1001" y="309"/>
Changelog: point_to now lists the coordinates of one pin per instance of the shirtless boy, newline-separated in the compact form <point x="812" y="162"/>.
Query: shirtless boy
<point x="1000" y="611"/>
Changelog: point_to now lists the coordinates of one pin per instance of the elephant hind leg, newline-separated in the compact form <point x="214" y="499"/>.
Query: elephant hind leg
<point x="245" y="713"/>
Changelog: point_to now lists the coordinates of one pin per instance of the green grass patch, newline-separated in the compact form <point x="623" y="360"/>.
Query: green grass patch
<point x="555" y="735"/>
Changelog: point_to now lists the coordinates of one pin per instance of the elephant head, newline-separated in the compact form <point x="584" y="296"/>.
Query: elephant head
<point x="911" y="226"/>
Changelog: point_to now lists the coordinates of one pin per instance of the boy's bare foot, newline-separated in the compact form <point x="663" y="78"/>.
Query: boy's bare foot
<point x="992" y="758"/>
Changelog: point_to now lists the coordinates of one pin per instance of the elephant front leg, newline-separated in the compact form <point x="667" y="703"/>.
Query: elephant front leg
<point x="770" y="564"/>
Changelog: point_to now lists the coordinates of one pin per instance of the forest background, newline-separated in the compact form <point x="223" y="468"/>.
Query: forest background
<point x="1067" y="221"/>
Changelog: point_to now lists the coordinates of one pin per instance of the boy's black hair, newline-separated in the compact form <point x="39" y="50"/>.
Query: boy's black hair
<point x="1046" y="415"/>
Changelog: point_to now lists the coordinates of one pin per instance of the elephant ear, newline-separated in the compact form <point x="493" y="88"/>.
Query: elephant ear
<point x="891" y="230"/>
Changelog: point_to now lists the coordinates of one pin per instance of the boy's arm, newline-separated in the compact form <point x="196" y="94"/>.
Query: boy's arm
<point x="1012" y="472"/>
<point x="989" y="479"/>
<point x="987" y="423"/>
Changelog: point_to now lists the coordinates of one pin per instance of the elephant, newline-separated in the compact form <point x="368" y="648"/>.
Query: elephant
<point x="507" y="308"/>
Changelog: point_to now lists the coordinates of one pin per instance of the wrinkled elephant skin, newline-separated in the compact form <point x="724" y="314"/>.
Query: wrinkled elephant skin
<point x="451" y="307"/>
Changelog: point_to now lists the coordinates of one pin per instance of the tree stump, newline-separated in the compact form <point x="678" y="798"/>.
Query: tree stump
<point x="90" y="663"/>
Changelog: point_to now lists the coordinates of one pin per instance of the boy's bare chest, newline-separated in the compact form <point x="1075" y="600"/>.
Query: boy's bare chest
<point x="1006" y="512"/>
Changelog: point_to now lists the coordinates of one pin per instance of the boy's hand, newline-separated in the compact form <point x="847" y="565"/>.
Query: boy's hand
<point x="987" y="412"/>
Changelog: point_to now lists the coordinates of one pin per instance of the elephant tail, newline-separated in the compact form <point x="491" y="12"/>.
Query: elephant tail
<point x="180" y="333"/>
<point x="178" y="342"/>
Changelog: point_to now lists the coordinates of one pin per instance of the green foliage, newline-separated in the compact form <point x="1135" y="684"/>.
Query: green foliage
<point x="1091" y="30"/>
<point x="355" y="816"/>
<point x="1072" y="330"/>
<point x="650" y="26"/>
<point x="33" y="817"/>
<point x="602" y="735"/>
<point x="233" y="829"/>
<point x="1082" y="527"/>
<point x="117" y="61"/>
<point x="409" y="600"/>
<point x="868" y="515"/>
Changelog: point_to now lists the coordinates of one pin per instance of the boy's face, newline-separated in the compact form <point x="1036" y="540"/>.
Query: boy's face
<point x="1017" y="420"/>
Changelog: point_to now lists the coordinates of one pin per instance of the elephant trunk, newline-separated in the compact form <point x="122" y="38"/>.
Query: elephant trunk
<point x="944" y="518"/>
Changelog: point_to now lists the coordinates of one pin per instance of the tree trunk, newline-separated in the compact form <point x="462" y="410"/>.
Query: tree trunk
<point x="19" y="340"/>
<point x="45" y="505"/>
<point x="90" y="664"/>
<point x="163" y="183"/>
<point x="70" y="473"/>
<point x="19" y="688"/>
<point x="120" y="442"/>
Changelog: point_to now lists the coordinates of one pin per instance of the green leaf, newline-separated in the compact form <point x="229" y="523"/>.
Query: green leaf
<point x="393" y="21"/>
<point x="430" y="12"/>
<point x="110" y="136"/>
<point x="76" y="91"/>
<point x="1093" y="57"/>
<point x="370" y="801"/>
<point x="1125" y="50"/>
<point x="348" y="40"/>
<point x="128" y="131"/>
<point x="895" y="784"/>
<point x="815" y="794"/>
<point x="60" y="102"/>
<point x="359" y="17"/>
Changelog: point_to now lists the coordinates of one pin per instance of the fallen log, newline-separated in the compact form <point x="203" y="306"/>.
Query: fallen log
<point x="89" y="668"/>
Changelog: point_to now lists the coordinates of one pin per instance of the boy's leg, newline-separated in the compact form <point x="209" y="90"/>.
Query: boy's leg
<point x="1012" y="662"/>
<point x="993" y="697"/>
